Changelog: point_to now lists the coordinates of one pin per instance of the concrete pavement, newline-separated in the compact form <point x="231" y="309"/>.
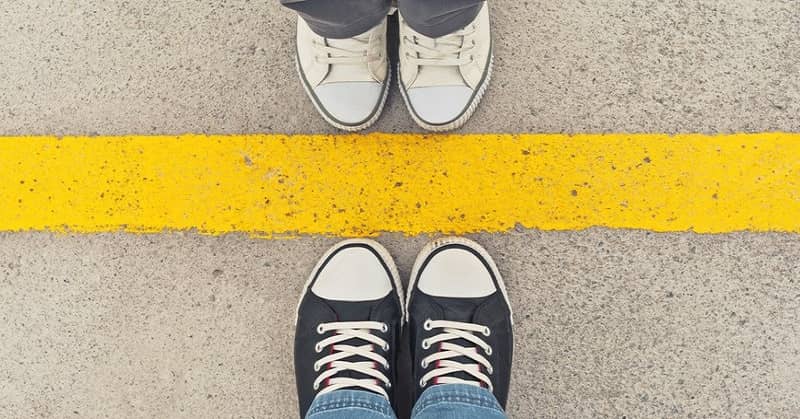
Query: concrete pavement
<point x="611" y="323"/>
<point x="608" y="323"/>
<point x="171" y="67"/>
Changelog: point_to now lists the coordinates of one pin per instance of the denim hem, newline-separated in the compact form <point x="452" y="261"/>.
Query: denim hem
<point x="462" y="394"/>
<point x="358" y="27"/>
<point x="350" y="400"/>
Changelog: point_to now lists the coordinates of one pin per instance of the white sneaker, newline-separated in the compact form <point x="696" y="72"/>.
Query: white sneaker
<point x="346" y="79"/>
<point x="443" y="79"/>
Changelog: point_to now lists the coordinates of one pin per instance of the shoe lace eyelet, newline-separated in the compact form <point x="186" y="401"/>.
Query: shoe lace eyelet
<point x="384" y="328"/>
<point x="489" y="350"/>
<point x="388" y="385"/>
<point x="490" y="370"/>
<point x="316" y="367"/>
<point x="426" y="344"/>
<point x="318" y="348"/>
<point x="427" y="325"/>
<point x="316" y="386"/>
<point x="423" y="364"/>
<point x="487" y="331"/>
<point x="385" y="347"/>
<point x="422" y="383"/>
<point x="320" y="330"/>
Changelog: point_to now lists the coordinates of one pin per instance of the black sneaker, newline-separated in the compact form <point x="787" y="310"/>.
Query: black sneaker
<point x="348" y="323"/>
<point x="459" y="317"/>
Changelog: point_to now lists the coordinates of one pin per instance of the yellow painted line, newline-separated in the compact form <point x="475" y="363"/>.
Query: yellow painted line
<point x="351" y="185"/>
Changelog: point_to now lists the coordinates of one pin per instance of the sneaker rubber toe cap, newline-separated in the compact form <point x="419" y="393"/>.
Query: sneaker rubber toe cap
<point x="456" y="273"/>
<point x="353" y="274"/>
<point x="437" y="105"/>
<point x="350" y="103"/>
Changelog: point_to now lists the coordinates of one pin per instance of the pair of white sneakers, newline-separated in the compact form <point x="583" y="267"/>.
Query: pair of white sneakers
<point x="442" y="80"/>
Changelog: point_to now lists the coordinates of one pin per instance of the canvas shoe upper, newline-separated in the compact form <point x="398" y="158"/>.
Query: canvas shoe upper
<point x="459" y="319"/>
<point x="443" y="79"/>
<point x="346" y="79"/>
<point x="348" y="323"/>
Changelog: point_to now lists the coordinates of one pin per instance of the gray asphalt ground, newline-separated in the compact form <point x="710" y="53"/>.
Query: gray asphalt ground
<point x="610" y="323"/>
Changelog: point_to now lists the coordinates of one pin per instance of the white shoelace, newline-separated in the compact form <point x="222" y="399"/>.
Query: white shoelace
<point x="449" y="50"/>
<point x="445" y="366"/>
<point x="345" y="51"/>
<point x="337" y="363"/>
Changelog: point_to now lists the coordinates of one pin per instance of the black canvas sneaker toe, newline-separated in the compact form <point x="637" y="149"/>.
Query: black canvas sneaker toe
<point x="459" y="319"/>
<point x="348" y="323"/>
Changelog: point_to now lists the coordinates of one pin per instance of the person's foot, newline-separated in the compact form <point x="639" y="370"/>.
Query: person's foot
<point x="346" y="79"/>
<point x="348" y="323"/>
<point x="459" y="319"/>
<point x="443" y="79"/>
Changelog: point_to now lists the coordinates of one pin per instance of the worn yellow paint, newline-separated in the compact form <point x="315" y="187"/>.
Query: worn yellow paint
<point x="352" y="185"/>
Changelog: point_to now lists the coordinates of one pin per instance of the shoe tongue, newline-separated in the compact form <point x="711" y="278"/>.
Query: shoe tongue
<point x="339" y="73"/>
<point x="348" y="72"/>
<point x="349" y="44"/>
<point x="430" y="75"/>
<point x="348" y="311"/>
<point x="462" y="310"/>
<point x="458" y="309"/>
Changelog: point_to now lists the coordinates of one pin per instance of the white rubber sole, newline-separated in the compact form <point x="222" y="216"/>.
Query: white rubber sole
<point x="339" y="124"/>
<point x="436" y="244"/>
<point x="384" y="255"/>
<point x="463" y="118"/>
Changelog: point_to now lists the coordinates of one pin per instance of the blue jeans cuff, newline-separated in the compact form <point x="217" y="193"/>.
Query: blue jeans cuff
<point x="471" y="402"/>
<point x="352" y="403"/>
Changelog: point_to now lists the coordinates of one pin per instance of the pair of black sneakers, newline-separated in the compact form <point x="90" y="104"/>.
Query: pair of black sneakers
<point x="352" y="312"/>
